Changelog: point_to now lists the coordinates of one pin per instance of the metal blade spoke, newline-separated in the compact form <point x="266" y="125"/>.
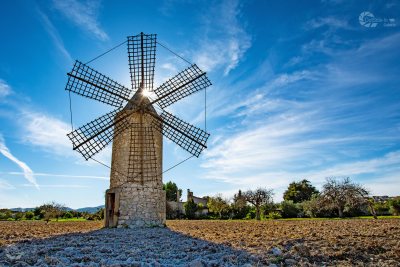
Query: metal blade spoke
<point x="142" y="58"/>
<point x="189" y="81"/>
<point x="187" y="136"/>
<point x="92" y="137"/>
<point x="90" y="83"/>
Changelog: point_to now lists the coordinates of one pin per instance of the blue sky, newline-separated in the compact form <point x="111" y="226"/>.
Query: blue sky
<point x="300" y="90"/>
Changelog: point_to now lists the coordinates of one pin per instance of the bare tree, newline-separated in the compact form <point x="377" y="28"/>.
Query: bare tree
<point x="341" y="193"/>
<point x="51" y="210"/>
<point x="258" y="198"/>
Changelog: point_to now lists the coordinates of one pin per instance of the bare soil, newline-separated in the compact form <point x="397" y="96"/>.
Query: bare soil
<point x="362" y="242"/>
<point x="334" y="242"/>
<point x="12" y="232"/>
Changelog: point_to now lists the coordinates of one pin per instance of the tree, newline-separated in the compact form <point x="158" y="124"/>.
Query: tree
<point x="190" y="209"/>
<point x="29" y="215"/>
<point x="299" y="191"/>
<point x="217" y="205"/>
<point x="258" y="198"/>
<point x="239" y="206"/>
<point x="50" y="210"/>
<point x="341" y="194"/>
<point x="290" y="209"/>
<point x="395" y="206"/>
<point x="18" y="216"/>
<point x="171" y="190"/>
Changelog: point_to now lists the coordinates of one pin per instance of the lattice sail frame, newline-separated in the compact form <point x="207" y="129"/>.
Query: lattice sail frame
<point x="109" y="126"/>
<point x="193" y="140"/>
<point x="83" y="80"/>
<point x="187" y="82"/>
<point x="87" y="82"/>
<point x="142" y="60"/>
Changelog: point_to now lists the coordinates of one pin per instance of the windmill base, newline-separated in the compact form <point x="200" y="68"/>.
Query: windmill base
<point x="135" y="206"/>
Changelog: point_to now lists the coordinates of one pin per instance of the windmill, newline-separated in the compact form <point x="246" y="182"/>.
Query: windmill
<point x="135" y="197"/>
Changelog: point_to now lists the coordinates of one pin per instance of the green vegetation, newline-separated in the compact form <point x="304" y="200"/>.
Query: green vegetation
<point x="171" y="190"/>
<point x="298" y="192"/>
<point x="339" y="198"/>
<point x="190" y="209"/>
<point x="50" y="212"/>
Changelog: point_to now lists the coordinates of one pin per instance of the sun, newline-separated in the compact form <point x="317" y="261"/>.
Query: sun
<point x="146" y="93"/>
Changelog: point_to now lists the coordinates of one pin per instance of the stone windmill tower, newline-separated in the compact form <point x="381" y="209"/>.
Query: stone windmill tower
<point x="135" y="197"/>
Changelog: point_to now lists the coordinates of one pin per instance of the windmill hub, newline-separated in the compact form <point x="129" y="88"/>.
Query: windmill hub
<point x="135" y="197"/>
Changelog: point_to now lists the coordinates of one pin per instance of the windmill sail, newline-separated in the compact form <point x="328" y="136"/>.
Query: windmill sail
<point x="185" y="135"/>
<point x="92" y="137"/>
<point x="184" y="84"/>
<point x="88" y="82"/>
<point x="142" y="58"/>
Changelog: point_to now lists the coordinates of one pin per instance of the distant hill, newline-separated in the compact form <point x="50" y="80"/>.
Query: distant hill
<point x="86" y="209"/>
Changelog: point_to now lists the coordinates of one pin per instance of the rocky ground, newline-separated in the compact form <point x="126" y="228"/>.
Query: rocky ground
<point x="203" y="243"/>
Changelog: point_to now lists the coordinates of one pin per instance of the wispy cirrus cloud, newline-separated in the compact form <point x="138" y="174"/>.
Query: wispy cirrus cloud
<point x="313" y="123"/>
<point x="6" y="185"/>
<point x="225" y="38"/>
<point x="54" y="35"/>
<point x="41" y="174"/>
<point x="46" y="132"/>
<point x="28" y="173"/>
<point x="331" y="22"/>
<point x="5" y="89"/>
<point x="50" y="134"/>
<point x="58" y="185"/>
<point x="83" y="14"/>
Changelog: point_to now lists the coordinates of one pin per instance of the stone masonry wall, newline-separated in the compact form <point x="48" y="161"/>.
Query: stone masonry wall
<point x="141" y="198"/>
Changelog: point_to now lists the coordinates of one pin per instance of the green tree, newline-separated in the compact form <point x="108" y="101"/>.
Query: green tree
<point x="171" y="190"/>
<point x="68" y="215"/>
<point x="299" y="191"/>
<point x="190" y="209"/>
<point x="29" y="215"/>
<point x="339" y="194"/>
<point x="395" y="206"/>
<point x="258" y="198"/>
<point x="290" y="209"/>
<point x="239" y="206"/>
<point x="217" y="205"/>
<point x="18" y="216"/>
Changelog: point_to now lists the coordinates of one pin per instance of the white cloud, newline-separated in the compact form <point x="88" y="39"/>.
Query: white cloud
<point x="40" y="174"/>
<point x="83" y="14"/>
<point x="5" y="185"/>
<point x="58" y="185"/>
<point x="46" y="132"/>
<point x="232" y="40"/>
<point x="5" y="89"/>
<point x="28" y="173"/>
<point x="55" y="36"/>
<point x="50" y="134"/>
<point x="331" y="22"/>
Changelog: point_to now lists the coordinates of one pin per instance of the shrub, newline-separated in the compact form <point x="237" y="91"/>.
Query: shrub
<point x="29" y="215"/>
<point x="251" y="214"/>
<point x="395" y="206"/>
<point x="274" y="215"/>
<point x="290" y="209"/>
<point x="382" y="208"/>
<point x="18" y="216"/>
<point x="68" y="215"/>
